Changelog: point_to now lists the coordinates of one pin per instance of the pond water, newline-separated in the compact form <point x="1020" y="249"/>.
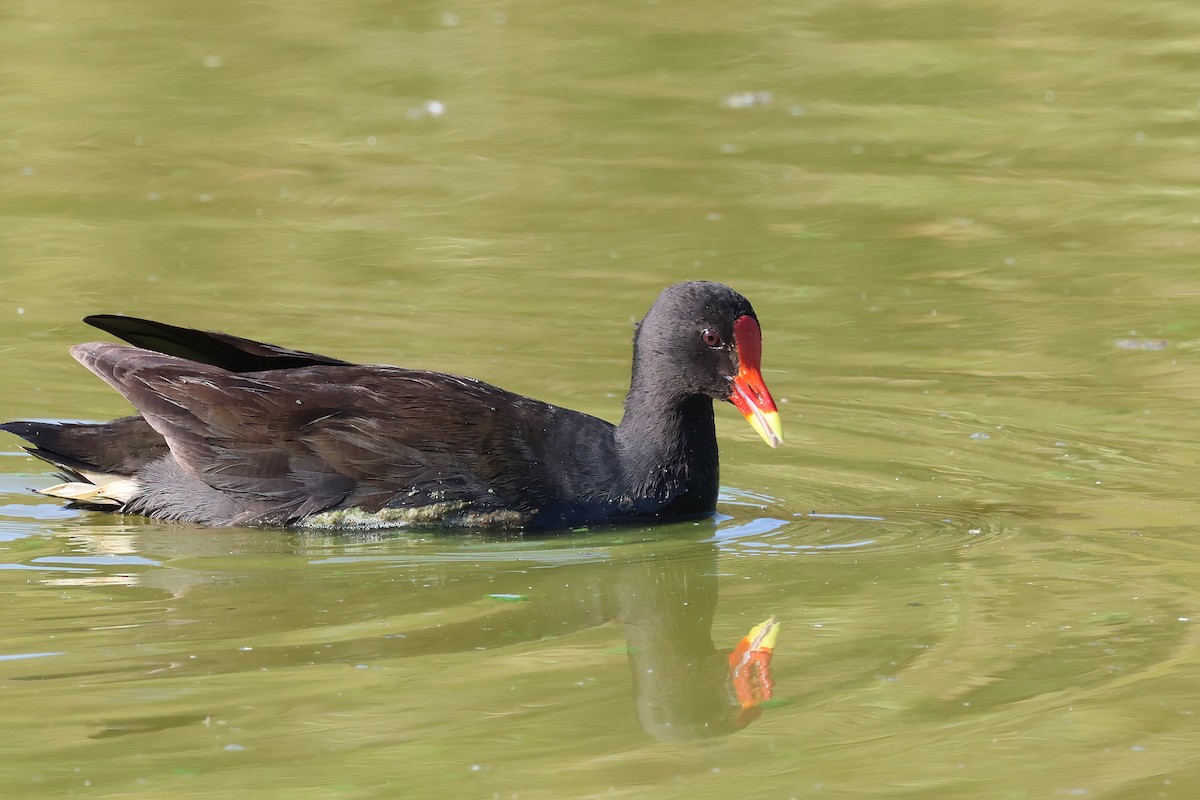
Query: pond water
<point x="971" y="232"/>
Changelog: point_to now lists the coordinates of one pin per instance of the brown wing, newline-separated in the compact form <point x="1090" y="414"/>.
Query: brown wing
<point x="124" y="446"/>
<point x="288" y="443"/>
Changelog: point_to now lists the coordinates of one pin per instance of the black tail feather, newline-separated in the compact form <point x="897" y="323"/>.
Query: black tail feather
<point x="120" y="447"/>
<point x="207" y="347"/>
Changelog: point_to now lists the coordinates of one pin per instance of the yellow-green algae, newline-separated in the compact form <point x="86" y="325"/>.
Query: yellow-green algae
<point x="454" y="513"/>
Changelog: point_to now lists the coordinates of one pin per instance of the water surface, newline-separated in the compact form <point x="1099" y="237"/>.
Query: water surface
<point x="970" y="231"/>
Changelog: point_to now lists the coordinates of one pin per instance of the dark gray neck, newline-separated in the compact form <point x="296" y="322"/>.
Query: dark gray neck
<point x="668" y="451"/>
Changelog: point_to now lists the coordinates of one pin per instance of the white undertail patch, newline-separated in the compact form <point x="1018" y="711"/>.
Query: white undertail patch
<point x="112" y="491"/>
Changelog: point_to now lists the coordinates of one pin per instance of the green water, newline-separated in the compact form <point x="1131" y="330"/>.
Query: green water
<point x="971" y="232"/>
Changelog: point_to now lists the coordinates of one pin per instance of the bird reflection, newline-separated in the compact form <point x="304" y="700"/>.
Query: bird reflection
<point x="662" y="591"/>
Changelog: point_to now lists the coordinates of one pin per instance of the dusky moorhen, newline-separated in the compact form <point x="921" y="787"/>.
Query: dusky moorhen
<point x="230" y="431"/>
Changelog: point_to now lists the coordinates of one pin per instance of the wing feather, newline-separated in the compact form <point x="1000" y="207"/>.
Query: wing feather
<point x="291" y="443"/>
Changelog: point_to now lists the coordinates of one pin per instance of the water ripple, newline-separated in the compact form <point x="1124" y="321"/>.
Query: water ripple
<point x="782" y="532"/>
<point x="24" y="656"/>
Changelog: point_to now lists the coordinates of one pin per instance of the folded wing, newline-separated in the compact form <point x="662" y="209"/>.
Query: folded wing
<point x="285" y="445"/>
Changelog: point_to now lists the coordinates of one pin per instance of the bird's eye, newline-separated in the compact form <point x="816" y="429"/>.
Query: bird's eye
<point x="711" y="338"/>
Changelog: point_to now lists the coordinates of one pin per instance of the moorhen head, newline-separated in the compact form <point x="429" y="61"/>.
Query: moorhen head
<point x="230" y="431"/>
